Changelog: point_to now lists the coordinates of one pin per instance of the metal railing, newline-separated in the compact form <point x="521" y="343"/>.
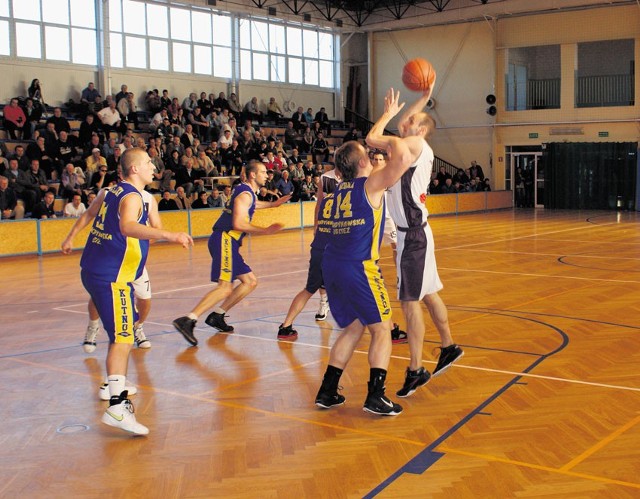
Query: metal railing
<point x="601" y="91"/>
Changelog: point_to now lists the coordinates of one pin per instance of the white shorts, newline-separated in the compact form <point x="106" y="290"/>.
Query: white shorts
<point x="390" y="235"/>
<point x="142" y="286"/>
<point x="416" y="264"/>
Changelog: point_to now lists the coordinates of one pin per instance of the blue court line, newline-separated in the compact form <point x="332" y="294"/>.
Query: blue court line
<point x="509" y="312"/>
<point x="427" y="457"/>
<point x="561" y="260"/>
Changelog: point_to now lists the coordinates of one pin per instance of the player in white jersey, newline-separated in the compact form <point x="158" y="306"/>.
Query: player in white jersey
<point x="418" y="278"/>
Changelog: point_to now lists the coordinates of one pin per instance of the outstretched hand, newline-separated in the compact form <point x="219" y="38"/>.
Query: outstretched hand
<point x="392" y="105"/>
<point x="282" y="200"/>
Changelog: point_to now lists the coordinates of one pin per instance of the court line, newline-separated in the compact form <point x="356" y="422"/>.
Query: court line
<point x="540" y="467"/>
<point x="605" y="441"/>
<point x="232" y="405"/>
<point x="552" y="276"/>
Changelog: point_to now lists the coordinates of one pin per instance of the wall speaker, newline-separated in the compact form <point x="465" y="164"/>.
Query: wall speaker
<point x="491" y="100"/>
<point x="307" y="18"/>
<point x="212" y="3"/>
<point x="272" y="11"/>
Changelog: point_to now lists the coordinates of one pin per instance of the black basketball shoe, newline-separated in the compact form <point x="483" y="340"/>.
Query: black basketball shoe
<point x="327" y="398"/>
<point x="413" y="381"/>
<point x="217" y="321"/>
<point x="448" y="356"/>
<point x="185" y="325"/>
<point x="287" y="333"/>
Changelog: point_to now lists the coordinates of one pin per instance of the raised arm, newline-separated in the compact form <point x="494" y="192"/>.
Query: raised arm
<point x="241" y="221"/>
<point x="399" y="159"/>
<point x="417" y="106"/>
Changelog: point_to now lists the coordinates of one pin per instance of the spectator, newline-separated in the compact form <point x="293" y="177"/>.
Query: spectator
<point x="111" y="120"/>
<point x="434" y="186"/>
<point x="189" y="178"/>
<point x="65" y="150"/>
<point x="307" y="140"/>
<point x="200" y="125"/>
<point x="94" y="142"/>
<point x="181" y="200"/>
<point x="299" y="120"/>
<point x="61" y="123"/>
<point x="308" y="116"/>
<point x="442" y="176"/>
<point x="9" y="206"/>
<point x="215" y="201"/>
<point x="448" y="188"/>
<point x="461" y="177"/>
<point x="88" y="128"/>
<point x="221" y="103"/>
<point x="201" y="202"/>
<point x="187" y="137"/>
<point x="165" y="100"/>
<point x="38" y="179"/>
<point x="190" y="103"/>
<point x="166" y="203"/>
<point x="252" y="110"/>
<point x="33" y="114"/>
<point x="291" y="136"/>
<point x="308" y="189"/>
<point x="35" y="93"/>
<point x="351" y="135"/>
<point x="273" y="110"/>
<point x="14" y="120"/>
<point x="72" y="182"/>
<point x="476" y="172"/>
<point x="322" y="118"/>
<point x="38" y="150"/>
<point x="122" y="94"/>
<point x="485" y="185"/>
<point x="20" y="182"/>
<point x="75" y="208"/>
<point x="234" y="105"/>
<point x="45" y="208"/>
<point x="94" y="162"/>
<point x="89" y="95"/>
<point x="284" y="186"/>
<point x="320" y="148"/>
<point x="128" y="110"/>
<point x="152" y="101"/>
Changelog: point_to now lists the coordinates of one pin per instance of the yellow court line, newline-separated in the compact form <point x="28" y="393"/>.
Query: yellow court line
<point x="538" y="467"/>
<point x="578" y="459"/>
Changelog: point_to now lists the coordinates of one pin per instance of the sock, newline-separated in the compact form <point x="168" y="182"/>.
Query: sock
<point x="95" y="323"/>
<point x="377" y="378"/>
<point x="331" y="378"/>
<point x="192" y="316"/>
<point x="219" y="310"/>
<point x="116" y="384"/>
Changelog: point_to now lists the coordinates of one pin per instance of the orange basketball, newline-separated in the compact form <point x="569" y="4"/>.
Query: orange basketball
<point x="418" y="75"/>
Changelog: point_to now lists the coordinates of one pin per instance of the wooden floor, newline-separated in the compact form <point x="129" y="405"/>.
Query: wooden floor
<point x="545" y="402"/>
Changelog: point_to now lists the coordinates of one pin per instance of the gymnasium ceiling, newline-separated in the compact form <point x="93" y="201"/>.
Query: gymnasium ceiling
<point x="377" y="15"/>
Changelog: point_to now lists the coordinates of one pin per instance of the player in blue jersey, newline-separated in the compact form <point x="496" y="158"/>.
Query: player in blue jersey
<point x="356" y="290"/>
<point x="114" y="256"/>
<point x="314" y="276"/>
<point x="224" y="246"/>
<point x="418" y="279"/>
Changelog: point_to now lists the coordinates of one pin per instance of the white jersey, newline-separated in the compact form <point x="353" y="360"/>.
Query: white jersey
<point x="405" y="199"/>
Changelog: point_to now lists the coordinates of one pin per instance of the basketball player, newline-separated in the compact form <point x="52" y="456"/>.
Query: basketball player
<point x="389" y="237"/>
<point x="314" y="276"/>
<point x="354" y="283"/>
<point x="114" y="256"/>
<point x="416" y="263"/>
<point x="224" y="246"/>
<point x="326" y="185"/>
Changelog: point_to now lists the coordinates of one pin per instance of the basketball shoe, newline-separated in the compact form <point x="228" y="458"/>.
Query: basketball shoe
<point x="323" y="311"/>
<point x="328" y="398"/>
<point x="104" y="394"/>
<point x="141" y="339"/>
<point x="185" y="325"/>
<point x="217" y="321"/>
<point x="398" y="336"/>
<point x="378" y="403"/>
<point x="89" y="344"/>
<point x="120" y="414"/>
<point x="287" y="333"/>
<point x="448" y="355"/>
<point x="413" y="380"/>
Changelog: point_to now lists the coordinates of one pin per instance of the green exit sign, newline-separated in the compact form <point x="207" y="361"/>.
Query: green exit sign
<point x="533" y="135"/>
<point x="603" y="134"/>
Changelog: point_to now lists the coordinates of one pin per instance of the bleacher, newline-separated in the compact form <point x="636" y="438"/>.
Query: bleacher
<point x="338" y="130"/>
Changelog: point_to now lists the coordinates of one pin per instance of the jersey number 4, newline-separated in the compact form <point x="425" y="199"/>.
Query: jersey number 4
<point x="343" y="207"/>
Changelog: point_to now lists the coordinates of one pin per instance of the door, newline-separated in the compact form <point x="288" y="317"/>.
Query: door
<point x="530" y="168"/>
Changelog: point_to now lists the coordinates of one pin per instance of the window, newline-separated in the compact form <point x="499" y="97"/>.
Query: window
<point x="605" y="74"/>
<point x="159" y="55"/>
<point x="83" y="14"/>
<point x="202" y="59"/>
<point x="55" y="11"/>
<point x="26" y="9"/>
<point x="222" y="30"/>
<point x="182" y="57"/>
<point x="85" y="50"/>
<point x="115" y="54"/>
<point x="180" y="25"/>
<point x="56" y="41"/>
<point x="158" y="24"/>
<point x="5" y="48"/>
<point x="4" y="8"/>
<point x="222" y="62"/>
<point x="134" y="18"/>
<point x="201" y="27"/>
<point x="533" y="78"/>
<point x="136" y="52"/>
<point x="28" y="42"/>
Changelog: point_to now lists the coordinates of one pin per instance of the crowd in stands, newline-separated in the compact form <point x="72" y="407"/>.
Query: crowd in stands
<point x="470" y="180"/>
<point x="191" y="142"/>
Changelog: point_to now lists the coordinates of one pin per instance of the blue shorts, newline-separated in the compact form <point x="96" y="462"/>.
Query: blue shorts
<point x="226" y="262"/>
<point x="314" y="277"/>
<point x="356" y="290"/>
<point x="114" y="302"/>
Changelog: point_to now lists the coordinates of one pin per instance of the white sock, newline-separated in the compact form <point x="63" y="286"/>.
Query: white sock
<point x="95" y="323"/>
<point x="192" y="316"/>
<point x="116" y="384"/>
<point x="219" y="310"/>
<point x="323" y="298"/>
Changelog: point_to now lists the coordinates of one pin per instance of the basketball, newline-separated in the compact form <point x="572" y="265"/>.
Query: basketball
<point x="418" y="75"/>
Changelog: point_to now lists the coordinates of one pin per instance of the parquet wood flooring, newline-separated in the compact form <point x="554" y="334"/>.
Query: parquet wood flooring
<point x="545" y="402"/>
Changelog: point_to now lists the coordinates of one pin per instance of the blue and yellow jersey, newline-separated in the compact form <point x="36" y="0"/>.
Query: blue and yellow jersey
<point x="323" y="228"/>
<point x="225" y="222"/>
<point x="356" y="227"/>
<point x="108" y="254"/>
